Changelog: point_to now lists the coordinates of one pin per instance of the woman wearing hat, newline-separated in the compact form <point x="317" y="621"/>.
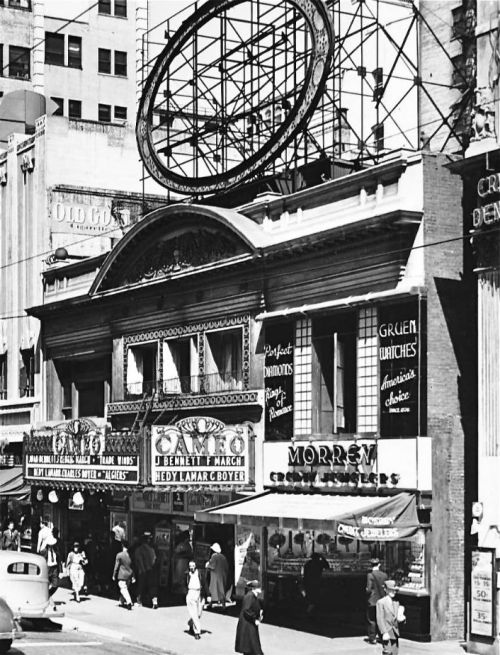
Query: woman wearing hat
<point x="247" y="632"/>
<point x="219" y="568"/>
<point x="76" y="562"/>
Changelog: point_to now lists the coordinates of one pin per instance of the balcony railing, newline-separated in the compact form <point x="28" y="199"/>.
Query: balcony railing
<point x="190" y="384"/>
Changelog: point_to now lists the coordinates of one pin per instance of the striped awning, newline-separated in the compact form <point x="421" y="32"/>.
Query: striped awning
<point x="12" y="484"/>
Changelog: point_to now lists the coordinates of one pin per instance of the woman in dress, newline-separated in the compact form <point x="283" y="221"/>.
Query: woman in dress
<point x="75" y="563"/>
<point x="247" y="632"/>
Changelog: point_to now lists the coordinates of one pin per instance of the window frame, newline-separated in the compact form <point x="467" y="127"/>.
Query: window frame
<point x="135" y="382"/>
<point x="101" y="4"/>
<point x="100" y="108"/>
<point x="100" y="61"/>
<point x="122" y="65"/>
<point x="25" y="51"/>
<point x="54" y="56"/>
<point x="73" y="117"/>
<point x="74" y="61"/>
<point x="120" y="3"/>
<point x="120" y="118"/>
<point x="28" y="370"/>
<point x="60" y="106"/>
<point x="3" y="376"/>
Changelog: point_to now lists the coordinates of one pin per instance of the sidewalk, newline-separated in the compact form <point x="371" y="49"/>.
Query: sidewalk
<point x="165" y="630"/>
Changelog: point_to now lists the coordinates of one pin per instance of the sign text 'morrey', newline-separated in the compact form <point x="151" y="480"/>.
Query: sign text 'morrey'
<point x="334" y="455"/>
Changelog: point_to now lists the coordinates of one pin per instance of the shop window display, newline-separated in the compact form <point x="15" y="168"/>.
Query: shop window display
<point x="347" y="559"/>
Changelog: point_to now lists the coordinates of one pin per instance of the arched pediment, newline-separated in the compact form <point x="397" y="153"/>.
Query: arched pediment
<point x="177" y="240"/>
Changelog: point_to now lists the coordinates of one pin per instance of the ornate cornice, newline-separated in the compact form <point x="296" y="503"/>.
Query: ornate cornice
<point x="227" y="399"/>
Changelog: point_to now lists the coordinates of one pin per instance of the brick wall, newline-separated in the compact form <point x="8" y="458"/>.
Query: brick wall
<point x="446" y="343"/>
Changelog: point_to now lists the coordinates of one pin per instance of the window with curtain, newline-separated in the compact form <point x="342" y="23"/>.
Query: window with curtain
<point x="224" y="360"/>
<point x="142" y="369"/>
<point x="180" y="366"/>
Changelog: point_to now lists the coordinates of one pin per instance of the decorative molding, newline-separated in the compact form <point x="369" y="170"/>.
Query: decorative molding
<point x="27" y="163"/>
<point x="187" y="251"/>
<point x="227" y="399"/>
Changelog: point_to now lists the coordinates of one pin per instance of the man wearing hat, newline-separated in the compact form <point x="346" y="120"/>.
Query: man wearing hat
<point x="388" y="617"/>
<point x="375" y="581"/>
<point x="219" y="569"/>
<point x="53" y="557"/>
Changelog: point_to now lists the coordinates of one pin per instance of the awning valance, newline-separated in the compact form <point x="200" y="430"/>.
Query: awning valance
<point x="12" y="484"/>
<point x="369" y="518"/>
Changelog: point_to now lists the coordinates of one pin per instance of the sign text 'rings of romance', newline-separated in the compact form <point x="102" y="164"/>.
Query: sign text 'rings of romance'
<point x="235" y="84"/>
<point x="81" y="451"/>
<point x="200" y="451"/>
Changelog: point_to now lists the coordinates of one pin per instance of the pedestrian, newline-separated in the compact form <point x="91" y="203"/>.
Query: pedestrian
<point x="313" y="570"/>
<point x="43" y="534"/>
<point x="124" y="575"/>
<point x="11" y="539"/>
<point x="389" y="615"/>
<point x="375" y="581"/>
<point x="251" y="615"/>
<point x="147" y="576"/>
<point x="76" y="562"/>
<point x="53" y="557"/>
<point x="219" y="568"/>
<point x="196" y="594"/>
<point x="118" y="534"/>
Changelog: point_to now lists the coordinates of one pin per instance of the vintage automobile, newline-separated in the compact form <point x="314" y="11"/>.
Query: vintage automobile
<point x="9" y="628"/>
<point x="24" y="585"/>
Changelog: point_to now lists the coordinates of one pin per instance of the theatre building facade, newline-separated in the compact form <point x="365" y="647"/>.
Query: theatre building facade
<point x="283" y="378"/>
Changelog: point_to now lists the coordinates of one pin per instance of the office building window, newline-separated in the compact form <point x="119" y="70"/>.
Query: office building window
<point x="104" y="113"/>
<point x="74" y="51"/>
<point x="104" y="64"/>
<point x="19" y="62"/>
<point x="120" y="63"/>
<point x="60" y="106"/>
<point x="121" y="8"/>
<point x="54" y="49"/>
<point x="17" y="4"/>
<point x="3" y="376"/>
<point x="105" y="7"/>
<point x="120" y="113"/>
<point x="75" y="109"/>
<point x="1" y="59"/>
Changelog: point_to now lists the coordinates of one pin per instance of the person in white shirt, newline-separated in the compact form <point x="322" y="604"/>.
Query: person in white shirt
<point x="196" y="594"/>
<point x="44" y="534"/>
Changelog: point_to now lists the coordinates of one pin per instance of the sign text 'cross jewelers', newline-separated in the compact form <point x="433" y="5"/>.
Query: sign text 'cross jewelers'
<point x="200" y="450"/>
<point x="81" y="451"/>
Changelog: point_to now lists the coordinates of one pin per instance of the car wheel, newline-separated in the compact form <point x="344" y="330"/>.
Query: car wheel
<point x="5" y="645"/>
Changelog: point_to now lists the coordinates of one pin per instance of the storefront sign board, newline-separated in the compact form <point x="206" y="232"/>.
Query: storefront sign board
<point x="150" y="501"/>
<point x="399" y="359"/>
<point x="200" y="451"/>
<point x="278" y="377"/>
<point x="483" y="592"/>
<point x="80" y="451"/>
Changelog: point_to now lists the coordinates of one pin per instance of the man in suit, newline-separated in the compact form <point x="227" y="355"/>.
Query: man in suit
<point x="10" y="538"/>
<point x="375" y="581"/>
<point x="387" y="619"/>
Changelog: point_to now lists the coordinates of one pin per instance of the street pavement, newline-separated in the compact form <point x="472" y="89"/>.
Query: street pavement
<point x="54" y="642"/>
<point x="165" y="631"/>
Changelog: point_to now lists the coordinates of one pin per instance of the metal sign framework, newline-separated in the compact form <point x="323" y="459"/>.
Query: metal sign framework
<point x="238" y="93"/>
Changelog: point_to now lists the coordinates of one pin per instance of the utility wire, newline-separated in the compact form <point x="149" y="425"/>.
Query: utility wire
<point x="344" y="273"/>
<point x="42" y="41"/>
